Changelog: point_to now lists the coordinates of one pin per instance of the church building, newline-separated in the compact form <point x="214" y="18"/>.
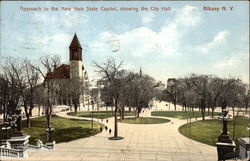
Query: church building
<point x="74" y="70"/>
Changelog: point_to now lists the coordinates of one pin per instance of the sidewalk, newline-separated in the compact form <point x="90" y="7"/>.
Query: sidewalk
<point x="140" y="143"/>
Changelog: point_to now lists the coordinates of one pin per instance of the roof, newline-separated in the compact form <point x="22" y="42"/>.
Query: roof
<point x="61" y="72"/>
<point x="75" y="42"/>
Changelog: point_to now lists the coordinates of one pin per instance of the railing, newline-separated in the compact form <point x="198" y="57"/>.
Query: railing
<point x="33" y="147"/>
<point x="37" y="148"/>
<point x="9" y="152"/>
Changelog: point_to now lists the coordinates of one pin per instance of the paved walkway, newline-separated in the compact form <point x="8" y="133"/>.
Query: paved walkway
<point x="140" y="143"/>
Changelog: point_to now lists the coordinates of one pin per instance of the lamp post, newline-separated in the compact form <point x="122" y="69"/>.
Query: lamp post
<point x="224" y="121"/>
<point x="50" y="130"/>
<point x="225" y="145"/>
<point x="92" y="102"/>
<point x="18" y="120"/>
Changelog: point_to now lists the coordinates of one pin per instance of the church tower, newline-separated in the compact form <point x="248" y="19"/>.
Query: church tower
<point x="75" y="58"/>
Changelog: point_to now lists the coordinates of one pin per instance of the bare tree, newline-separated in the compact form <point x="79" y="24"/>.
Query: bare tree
<point x="75" y="91"/>
<point x="46" y="69"/>
<point x="114" y="77"/>
<point x="10" y="89"/>
<point x="142" y="91"/>
<point x="28" y="85"/>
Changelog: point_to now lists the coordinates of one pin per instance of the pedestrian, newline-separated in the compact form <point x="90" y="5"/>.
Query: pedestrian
<point x="100" y="129"/>
<point x="107" y="121"/>
<point x="106" y="128"/>
<point x="109" y="131"/>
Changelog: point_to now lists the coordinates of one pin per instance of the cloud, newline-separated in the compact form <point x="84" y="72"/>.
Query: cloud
<point x="54" y="44"/>
<point x="217" y="40"/>
<point x="142" y="41"/>
<point x="234" y="61"/>
<point x="148" y="18"/>
<point x="188" y="15"/>
<point x="236" y="65"/>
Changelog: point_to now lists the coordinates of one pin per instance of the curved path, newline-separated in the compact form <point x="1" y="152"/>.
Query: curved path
<point x="141" y="142"/>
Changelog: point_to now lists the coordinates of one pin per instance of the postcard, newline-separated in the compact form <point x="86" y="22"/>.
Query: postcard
<point x="124" y="80"/>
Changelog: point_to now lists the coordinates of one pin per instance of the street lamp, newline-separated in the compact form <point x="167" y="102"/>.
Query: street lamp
<point x="225" y="145"/>
<point x="92" y="102"/>
<point x="50" y="130"/>
<point x="18" y="120"/>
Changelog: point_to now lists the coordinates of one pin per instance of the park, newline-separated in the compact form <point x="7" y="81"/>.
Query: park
<point x="126" y="116"/>
<point x="124" y="81"/>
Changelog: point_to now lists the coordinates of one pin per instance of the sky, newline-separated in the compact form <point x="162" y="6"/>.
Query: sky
<point x="166" y="44"/>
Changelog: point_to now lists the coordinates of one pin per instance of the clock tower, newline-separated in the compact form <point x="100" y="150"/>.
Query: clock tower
<point x="75" y="58"/>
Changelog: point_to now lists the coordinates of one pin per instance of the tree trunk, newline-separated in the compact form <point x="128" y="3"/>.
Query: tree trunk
<point x="212" y="112"/>
<point x="27" y="115"/>
<point x="75" y="107"/>
<point x="234" y="125"/>
<point x="138" y="113"/>
<point x="203" y="114"/>
<point x="246" y="108"/>
<point x="30" y="110"/>
<point x="123" y="112"/>
<point x="28" y="121"/>
<point x="39" y="110"/>
<point x="48" y="116"/>
<point x="193" y="111"/>
<point x="116" y="124"/>
<point x="120" y="113"/>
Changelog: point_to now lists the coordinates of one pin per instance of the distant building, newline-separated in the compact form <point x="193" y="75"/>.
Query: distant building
<point x="65" y="72"/>
<point x="171" y="82"/>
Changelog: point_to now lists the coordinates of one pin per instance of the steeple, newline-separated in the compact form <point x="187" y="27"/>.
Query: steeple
<point x="75" y="49"/>
<point x="140" y="72"/>
<point x="75" y="43"/>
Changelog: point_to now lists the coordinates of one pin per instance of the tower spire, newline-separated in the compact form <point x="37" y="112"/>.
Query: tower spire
<point x="75" y="42"/>
<point x="75" y="49"/>
<point x="140" y="72"/>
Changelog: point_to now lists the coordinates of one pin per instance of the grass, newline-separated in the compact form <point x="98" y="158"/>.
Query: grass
<point x="144" y="120"/>
<point x="180" y="114"/>
<point x="65" y="129"/>
<point x="96" y="114"/>
<point x="207" y="131"/>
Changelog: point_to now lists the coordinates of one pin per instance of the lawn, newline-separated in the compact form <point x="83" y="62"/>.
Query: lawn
<point x="65" y="129"/>
<point x="207" y="131"/>
<point x="96" y="114"/>
<point x="144" y="120"/>
<point x="180" y="114"/>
